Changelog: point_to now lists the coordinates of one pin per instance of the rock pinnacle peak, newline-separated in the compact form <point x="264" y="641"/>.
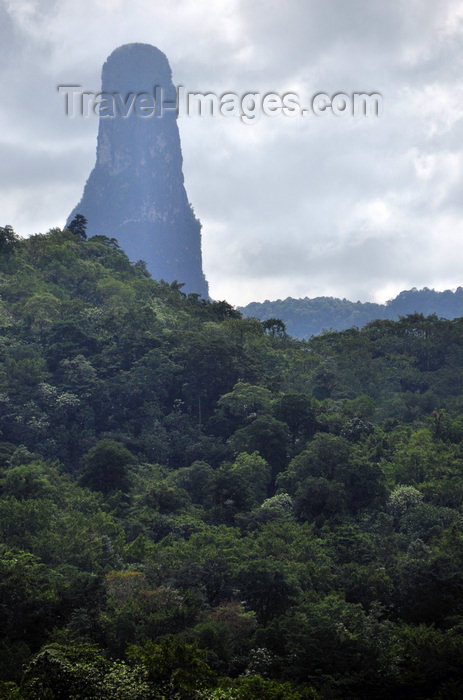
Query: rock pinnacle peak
<point x="135" y="192"/>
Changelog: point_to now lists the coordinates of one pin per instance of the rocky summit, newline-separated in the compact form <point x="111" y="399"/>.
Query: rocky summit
<point x="135" y="192"/>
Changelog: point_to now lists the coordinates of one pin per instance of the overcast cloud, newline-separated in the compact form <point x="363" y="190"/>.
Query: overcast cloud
<point x="356" y="208"/>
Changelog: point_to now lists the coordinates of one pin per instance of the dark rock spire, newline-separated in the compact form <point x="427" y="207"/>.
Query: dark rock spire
<point x="135" y="192"/>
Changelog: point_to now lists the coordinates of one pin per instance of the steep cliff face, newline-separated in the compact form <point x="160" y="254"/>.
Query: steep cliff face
<point x="136" y="192"/>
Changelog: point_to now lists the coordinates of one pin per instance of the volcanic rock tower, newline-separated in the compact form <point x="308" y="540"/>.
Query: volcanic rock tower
<point x="135" y="192"/>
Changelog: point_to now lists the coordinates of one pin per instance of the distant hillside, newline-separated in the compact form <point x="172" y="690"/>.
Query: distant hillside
<point x="307" y="317"/>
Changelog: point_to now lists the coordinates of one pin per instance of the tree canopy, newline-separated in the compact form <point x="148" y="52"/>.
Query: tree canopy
<point x="197" y="505"/>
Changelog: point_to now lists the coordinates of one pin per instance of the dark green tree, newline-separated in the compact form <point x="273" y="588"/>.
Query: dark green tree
<point x="78" y="226"/>
<point x="8" y="239"/>
<point x="106" y="467"/>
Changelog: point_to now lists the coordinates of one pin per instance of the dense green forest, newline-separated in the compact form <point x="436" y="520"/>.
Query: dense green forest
<point x="196" y="505"/>
<point x="306" y="317"/>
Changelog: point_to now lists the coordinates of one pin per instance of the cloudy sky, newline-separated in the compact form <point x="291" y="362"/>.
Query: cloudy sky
<point x="290" y="206"/>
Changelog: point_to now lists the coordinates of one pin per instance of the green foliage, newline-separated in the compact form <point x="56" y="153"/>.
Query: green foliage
<point x="106" y="467"/>
<point x="268" y="437"/>
<point x="257" y="688"/>
<point x="178" y="668"/>
<point x="274" y="327"/>
<point x="78" y="226"/>
<point x="8" y="240"/>
<point x="81" y="671"/>
<point x="251" y="515"/>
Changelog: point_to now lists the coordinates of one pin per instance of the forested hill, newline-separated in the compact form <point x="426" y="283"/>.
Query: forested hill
<point x="306" y="317"/>
<point x="194" y="505"/>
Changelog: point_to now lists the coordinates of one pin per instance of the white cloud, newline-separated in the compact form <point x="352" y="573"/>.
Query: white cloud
<point x="354" y="208"/>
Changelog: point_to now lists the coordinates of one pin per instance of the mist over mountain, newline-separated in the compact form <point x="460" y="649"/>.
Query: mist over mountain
<point x="306" y="317"/>
<point x="135" y="193"/>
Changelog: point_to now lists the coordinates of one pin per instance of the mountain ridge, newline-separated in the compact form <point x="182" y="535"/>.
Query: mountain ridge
<point x="305" y="317"/>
